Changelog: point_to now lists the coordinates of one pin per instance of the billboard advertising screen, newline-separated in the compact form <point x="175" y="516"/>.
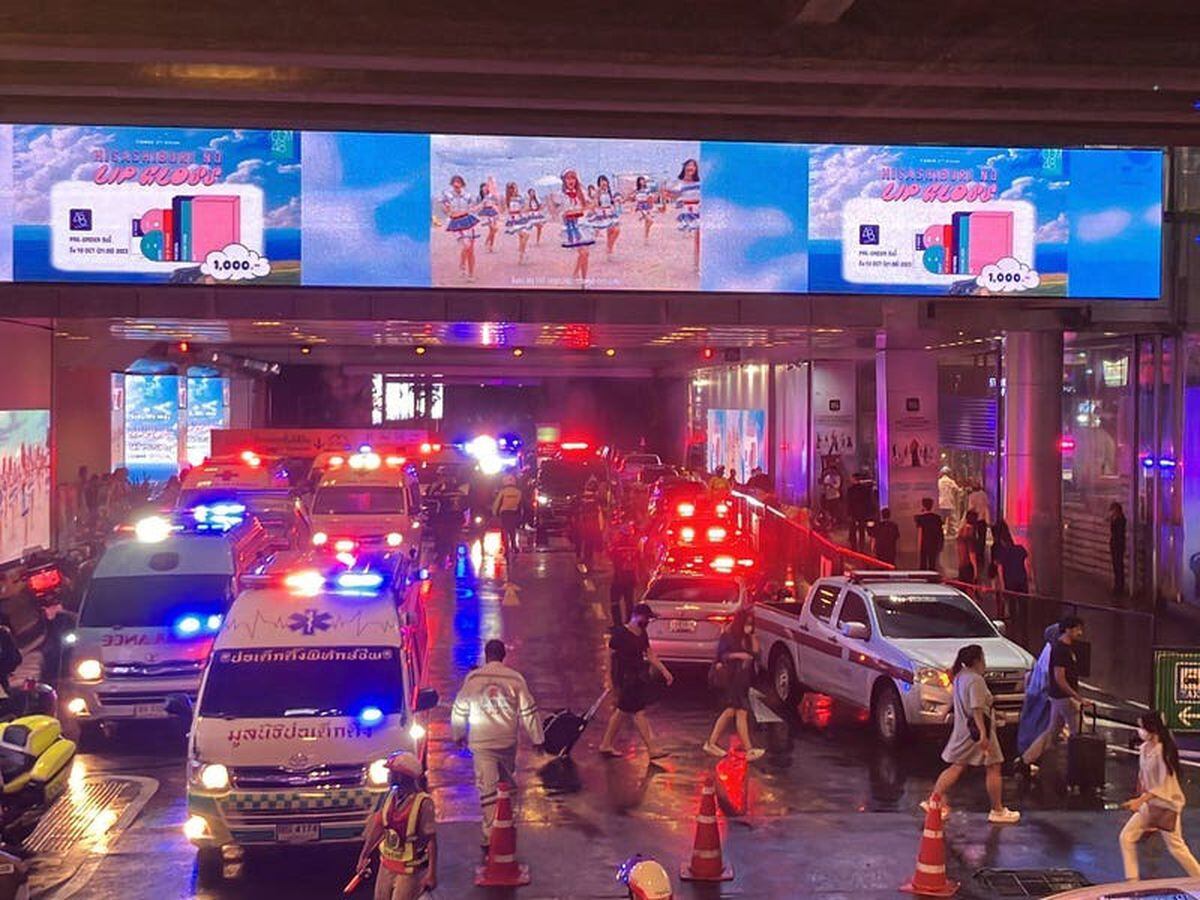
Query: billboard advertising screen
<point x="361" y="209"/>
<point x="24" y="481"/>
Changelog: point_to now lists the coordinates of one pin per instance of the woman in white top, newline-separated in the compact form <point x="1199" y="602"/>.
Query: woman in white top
<point x="973" y="741"/>
<point x="687" y="200"/>
<point x="460" y="209"/>
<point x="518" y="221"/>
<point x="1160" y="805"/>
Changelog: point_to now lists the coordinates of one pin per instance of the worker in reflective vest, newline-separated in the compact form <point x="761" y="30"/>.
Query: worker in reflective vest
<point x="405" y="831"/>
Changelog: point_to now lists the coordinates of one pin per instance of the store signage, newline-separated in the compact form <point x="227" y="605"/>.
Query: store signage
<point x="1177" y="687"/>
<point x="246" y="206"/>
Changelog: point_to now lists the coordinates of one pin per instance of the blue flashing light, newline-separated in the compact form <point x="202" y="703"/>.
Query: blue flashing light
<point x="364" y="448"/>
<point x="219" y="516"/>
<point x="1166" y="462"/>
<point x="370" y="715"/>
<point x="423" y="575"/>
<point x="1148" y="462"/>
<point x="188" y="626"/>
<point x="359" y="580"/>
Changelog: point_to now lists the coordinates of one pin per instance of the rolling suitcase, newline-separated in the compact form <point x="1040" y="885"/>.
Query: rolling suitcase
<point x="563" y="728"/>
<point x="1085" y="758"/>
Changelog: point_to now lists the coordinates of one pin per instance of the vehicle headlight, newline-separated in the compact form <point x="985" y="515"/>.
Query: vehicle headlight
<point x="212" y="776"/>
<point x="543" y="500"/>
<point x="394" y="539"/>
<point x="377" y="773"/>
<point x="89" y="670"/>
<point x="936" y="677"/>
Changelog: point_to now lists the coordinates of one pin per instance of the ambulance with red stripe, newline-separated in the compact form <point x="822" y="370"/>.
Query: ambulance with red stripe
<point x="367" y="501"/>
<point x="885" y="642"/>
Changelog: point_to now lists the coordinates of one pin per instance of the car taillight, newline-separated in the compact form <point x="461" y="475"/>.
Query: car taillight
<point x="720" y="620"/>
<point x="687" y="534"/>
<point x="716" y="534"/>
<point x="746" y="562"/>
<point x="722" y="509"/>
<point x="723" y="563"/>
<point x="686" y="510"/>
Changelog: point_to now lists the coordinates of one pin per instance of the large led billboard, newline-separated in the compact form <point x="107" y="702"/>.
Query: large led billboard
<point x="351" y="209"/>
<point x="24" y="481"/>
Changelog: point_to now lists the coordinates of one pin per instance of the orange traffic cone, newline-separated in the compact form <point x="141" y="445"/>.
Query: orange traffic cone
<point x="930" y="877"/>
<point x="502" y="868"/>
<point x="706" y="864"/>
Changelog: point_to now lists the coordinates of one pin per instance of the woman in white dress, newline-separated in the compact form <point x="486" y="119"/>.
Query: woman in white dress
<point x="573" y="207"/>
<point x="643" y="205"/>
<point x="518" y="219"/>
<point x="461" y="222"/>
<point x="606" y="216"/>
<point x="687" y="201"/>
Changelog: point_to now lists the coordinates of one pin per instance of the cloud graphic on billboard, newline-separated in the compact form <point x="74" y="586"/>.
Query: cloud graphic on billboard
<point x="1008" y="276"/>
<point x="235" y="263"/>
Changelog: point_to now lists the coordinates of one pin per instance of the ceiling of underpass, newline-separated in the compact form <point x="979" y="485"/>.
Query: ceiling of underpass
<point x="810" y="69"/>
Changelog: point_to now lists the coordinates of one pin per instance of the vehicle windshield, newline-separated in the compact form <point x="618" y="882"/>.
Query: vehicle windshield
<point x="454" y="473"/>
<point x="153" y="601"/>
<point x="307" y="681"/>
<point x="931" y="616"/>
<point x="643" y="459"/>
<point x="194" y="497"/>
<point x="358" y="500"/>
<point x="693" y="590"/>
<point x="563" y="478"/>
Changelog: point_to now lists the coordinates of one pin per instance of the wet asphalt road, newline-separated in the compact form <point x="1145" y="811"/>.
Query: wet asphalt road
<point x="555" y="632"/>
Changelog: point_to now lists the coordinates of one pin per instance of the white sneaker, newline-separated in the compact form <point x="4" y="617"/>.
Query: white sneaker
<point x="1004" y="816"/>
<point x="713" y="750"/>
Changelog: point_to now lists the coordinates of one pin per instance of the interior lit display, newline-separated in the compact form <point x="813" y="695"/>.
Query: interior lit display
<point x="212" y="206"/>
<point x="24" y="481"/>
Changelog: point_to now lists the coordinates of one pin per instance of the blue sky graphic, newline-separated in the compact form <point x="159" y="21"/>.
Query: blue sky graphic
<point x="754" y="235"/>
<point x="366" y="209"/>
<point x="30" y="427"/>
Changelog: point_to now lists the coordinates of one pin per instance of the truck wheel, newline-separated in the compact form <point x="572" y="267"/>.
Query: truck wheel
<point x="887" y="715"/>
<point x="784" y="683"/>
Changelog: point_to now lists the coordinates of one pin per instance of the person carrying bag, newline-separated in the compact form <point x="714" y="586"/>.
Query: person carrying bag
<point x="1160" y="805"/>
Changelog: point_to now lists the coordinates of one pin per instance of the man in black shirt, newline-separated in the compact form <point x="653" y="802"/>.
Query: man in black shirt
<point x="860" y="504"/>
<point x="1066" y="703"/>
<point x="887" y="537"/>
<point x="930" y="537"/>
<point x="1116" y="545"/>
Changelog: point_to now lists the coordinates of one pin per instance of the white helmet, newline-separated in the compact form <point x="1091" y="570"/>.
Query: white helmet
<point x="645" y="878"/>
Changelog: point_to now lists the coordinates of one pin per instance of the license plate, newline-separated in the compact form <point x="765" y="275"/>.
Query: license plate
<point x="299" y="833"/>
<point x="678" y="625"/>
<point x="147" y="710"/>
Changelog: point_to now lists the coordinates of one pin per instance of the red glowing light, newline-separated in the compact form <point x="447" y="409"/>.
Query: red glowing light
<point x="1066" y="444"/>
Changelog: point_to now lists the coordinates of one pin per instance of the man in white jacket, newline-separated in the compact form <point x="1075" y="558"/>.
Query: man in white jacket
<point x="493" y="702"/>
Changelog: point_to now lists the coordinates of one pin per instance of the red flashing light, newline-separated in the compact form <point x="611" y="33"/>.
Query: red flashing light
<point x="344" y="545"/>
<point x="1066" y="444"/>
<point x="720" y="620"/>
<point x="575" y="445"/>
<point x="45" y="580"/>
<point x="723" y="563"/>
<point x="722" y="510"/>
<point x="336" y="462"/>
<point x="686" y="510"/>
<point x="687" y="534"/>
<point x="708" y="353"/>
<point x="396" y="461"/>
<point x="716" y="534"/>
<point x="184" y="346"/>
<point x="426" y="448"/>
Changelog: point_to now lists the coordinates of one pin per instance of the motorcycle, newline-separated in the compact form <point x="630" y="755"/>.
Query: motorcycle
<point x="35" y="762"/>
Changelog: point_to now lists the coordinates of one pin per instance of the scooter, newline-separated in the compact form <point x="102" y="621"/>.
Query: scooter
<point x="35" y="763"/>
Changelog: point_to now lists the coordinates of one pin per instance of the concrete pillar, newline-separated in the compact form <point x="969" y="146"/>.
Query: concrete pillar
<point x="1033" y="365"/>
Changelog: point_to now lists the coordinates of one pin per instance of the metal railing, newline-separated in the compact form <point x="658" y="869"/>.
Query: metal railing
<point x="1120" y="640"/>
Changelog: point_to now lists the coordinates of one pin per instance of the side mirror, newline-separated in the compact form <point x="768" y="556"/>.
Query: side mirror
<point x="1001" y="625"/>
<point x="856" y="631"/>
<point x="427" y="698"/>
<point x="179" y="705"/>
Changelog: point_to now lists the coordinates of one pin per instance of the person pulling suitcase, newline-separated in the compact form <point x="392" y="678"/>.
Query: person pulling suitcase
<point x="1066" y="703"/>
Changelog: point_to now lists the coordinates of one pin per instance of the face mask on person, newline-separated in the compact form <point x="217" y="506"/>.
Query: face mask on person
<point x="1143" y="733"/>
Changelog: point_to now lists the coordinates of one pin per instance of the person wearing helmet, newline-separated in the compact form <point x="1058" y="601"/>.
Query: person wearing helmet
<point x="405" y="831"/>
<point x="507" y="508"/>
<point x="645" y="878"/>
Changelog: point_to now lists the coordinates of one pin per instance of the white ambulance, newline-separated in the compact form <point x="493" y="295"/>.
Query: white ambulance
<point x="151" y="610"/>
<point x="367" y="502"/>
<point x="315" y="678"/>
<point x="261" y="484"/>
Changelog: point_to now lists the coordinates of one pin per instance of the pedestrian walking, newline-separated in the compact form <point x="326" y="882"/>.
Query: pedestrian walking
<point x="589" y="524"/>
<point x="930" y="537"/>
<point x="507" y="508"/>
<point x="860" y="506"/>
<point x="1116" y="545"/>
<point x="623" y="552"/>
<point x="967" y="547"/>
<point x="973" y="740"/>
<point x="1160" y="805"/>
<point x="886" y="535"/>
<point x="1035" y="710"/>
<point x="732" y="674"/>
<point x="631" y="679"/>
<point x="405" y="831"/>
<point x="719" y="485"/>
<point x="492" y="706"/>
<point x="1066" y="703"/>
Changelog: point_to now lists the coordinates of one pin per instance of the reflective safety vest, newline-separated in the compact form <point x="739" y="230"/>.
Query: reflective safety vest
<point x="403" y="849"/>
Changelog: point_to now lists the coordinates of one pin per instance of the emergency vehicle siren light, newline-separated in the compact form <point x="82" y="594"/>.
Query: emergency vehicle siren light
<point x="152" y="529"/>
<point x="686" y="510"/>
<point x="359" y="580"/>
<point x="319" y="538"/>
<point x="370" y="715"/>
<point x="192" y="625"/>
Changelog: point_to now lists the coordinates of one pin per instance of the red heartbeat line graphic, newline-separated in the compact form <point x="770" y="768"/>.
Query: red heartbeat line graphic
<point x="336" y="623"/>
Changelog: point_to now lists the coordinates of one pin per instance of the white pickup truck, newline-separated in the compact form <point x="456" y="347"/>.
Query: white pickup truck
<point x="885" y="642"/>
